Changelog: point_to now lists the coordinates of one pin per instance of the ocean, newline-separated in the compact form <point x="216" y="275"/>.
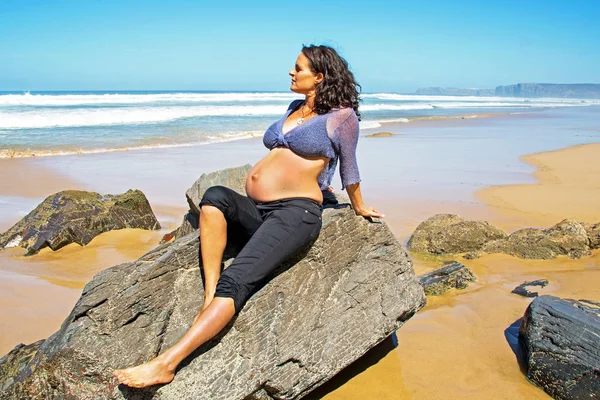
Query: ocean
<point x="61" y="123"/>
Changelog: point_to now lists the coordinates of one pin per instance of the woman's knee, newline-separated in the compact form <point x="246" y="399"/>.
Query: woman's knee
<point x="218" y="197"/>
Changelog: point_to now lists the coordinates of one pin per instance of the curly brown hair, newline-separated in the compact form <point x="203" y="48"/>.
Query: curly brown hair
<point x="338" y="88"/>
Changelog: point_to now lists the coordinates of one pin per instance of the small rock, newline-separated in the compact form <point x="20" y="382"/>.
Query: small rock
<point x="523" y="291"/>
<point x="452" y="276"/>
<point x="380" y="134"/>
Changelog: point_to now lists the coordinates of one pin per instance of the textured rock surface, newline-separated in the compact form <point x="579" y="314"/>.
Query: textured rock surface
<point x="452" y="276"/>
<point x="523" y="290"/>
<point x="568" y="238"/>
<point x="234" y="178"/>
<point x="75" y="216"/>
<point x="560" y="339"/>
<point x="353" y="288"/>
<point x="447" y="233"/>
<point x="593" y="233"/>
<point x="16" y="361"/>
<point x="450" y="234"/>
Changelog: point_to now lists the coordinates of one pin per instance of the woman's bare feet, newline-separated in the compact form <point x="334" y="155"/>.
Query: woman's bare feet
<point x="151" y="373"/>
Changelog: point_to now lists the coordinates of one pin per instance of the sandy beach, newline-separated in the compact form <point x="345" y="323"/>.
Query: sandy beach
<point x="456" y="347"/>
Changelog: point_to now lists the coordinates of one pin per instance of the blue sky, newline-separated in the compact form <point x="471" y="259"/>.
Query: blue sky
<point x="393" y="46"/>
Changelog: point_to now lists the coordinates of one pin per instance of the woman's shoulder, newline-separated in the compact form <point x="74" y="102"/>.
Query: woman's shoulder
<point x="343" y="115"/>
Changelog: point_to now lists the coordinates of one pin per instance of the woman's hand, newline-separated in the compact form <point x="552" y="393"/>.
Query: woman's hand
<point x="358" y="205"/>
<point x="367" y="211"/>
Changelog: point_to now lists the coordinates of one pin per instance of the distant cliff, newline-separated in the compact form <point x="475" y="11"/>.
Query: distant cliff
<point x="565" y="90"/>
<point x="572" y="90"/>
<point x="440" y="91"/>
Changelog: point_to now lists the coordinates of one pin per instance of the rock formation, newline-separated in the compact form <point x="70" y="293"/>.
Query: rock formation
<point x="560" y="339"/>
<point x="452" y="276"/>
<point x="567" y="238"/>
<point x="75" y="216"/>
<point x="351" y="290"/>
<point x="449" y="234"/>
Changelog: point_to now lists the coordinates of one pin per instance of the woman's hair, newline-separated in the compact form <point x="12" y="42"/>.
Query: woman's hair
<point x="338" y="88"/>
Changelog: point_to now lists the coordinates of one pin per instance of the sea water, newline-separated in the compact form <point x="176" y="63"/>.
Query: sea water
<point x="55" y="123"/>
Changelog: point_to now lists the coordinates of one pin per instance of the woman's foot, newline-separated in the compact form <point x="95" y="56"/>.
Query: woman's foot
<point x="151" y="373"/>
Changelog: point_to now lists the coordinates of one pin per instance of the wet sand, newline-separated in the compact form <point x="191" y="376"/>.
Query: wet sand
<point x="454" y="348"/>
<point x="568" y="186"/>
<point x="458" y="346"/>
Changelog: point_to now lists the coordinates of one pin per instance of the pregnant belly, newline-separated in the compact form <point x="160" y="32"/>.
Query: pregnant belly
<point x="284" y="174"/>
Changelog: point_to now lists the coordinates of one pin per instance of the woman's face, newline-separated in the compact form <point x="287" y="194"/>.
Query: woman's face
<point x="304" y="81"/>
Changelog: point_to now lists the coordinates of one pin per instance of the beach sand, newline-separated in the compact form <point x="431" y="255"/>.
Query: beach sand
<point x="458" y="345"/>
<point x="455" y="347"/>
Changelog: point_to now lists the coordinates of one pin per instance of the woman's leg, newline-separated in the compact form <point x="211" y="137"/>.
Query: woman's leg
<point x="219" y="207"/>
<point x="162" y="369"/>
<point x="213" y="238"/>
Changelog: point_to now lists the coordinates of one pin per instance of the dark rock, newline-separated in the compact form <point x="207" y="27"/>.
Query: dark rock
<point x="523" y="291"/>
<point x="567" y="238"/>
<point x="452" y="276"/>
<point x="350" y="291"/>
<point x="233" y="178"/>
<point x="450" y="234"/>
<point x="473" y="255"/>
<point x="560" y="340"/>
<point x="75" y="216"/>
<point x="14" y="364"/>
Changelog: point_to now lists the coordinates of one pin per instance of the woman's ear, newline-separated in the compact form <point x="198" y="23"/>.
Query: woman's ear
<point x="319" y="78"/>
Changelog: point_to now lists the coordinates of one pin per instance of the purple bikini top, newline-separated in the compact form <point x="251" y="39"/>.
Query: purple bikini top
<point x="333" y="135"/>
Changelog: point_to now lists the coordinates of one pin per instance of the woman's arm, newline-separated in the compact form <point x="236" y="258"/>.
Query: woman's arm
<point x="357" y="202"/>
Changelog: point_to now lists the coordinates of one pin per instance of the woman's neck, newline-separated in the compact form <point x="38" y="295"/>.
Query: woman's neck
<point x="309" y="102"/>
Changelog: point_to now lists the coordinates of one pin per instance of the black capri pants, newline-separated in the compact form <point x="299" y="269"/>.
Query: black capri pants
<point x="273" y="232"/>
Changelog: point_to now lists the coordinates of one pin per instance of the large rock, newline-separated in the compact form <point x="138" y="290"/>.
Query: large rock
<point x="448" y="233"/>
<point x="350" y="291"/>
<point x="452" y="276"/>
<point x="560" y="340"/>
<point x="233" y="178"/>
<point x="75" y="216"/>
<point x="568" y="238"/>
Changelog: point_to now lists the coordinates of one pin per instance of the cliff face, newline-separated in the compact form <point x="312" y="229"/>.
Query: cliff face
<point x="574" y="90"/>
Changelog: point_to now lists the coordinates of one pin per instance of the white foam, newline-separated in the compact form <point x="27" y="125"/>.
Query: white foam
<point x="477" y="99"/>
<point x="91" y="99"/>
<point x="369" y="124"/>
<point x="53" y="118"/>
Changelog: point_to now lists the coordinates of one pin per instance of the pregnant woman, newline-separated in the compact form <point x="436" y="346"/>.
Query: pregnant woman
<point x="282" y="213"/>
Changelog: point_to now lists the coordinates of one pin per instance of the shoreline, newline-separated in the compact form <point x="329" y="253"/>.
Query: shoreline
<point x="413" y="121"/>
